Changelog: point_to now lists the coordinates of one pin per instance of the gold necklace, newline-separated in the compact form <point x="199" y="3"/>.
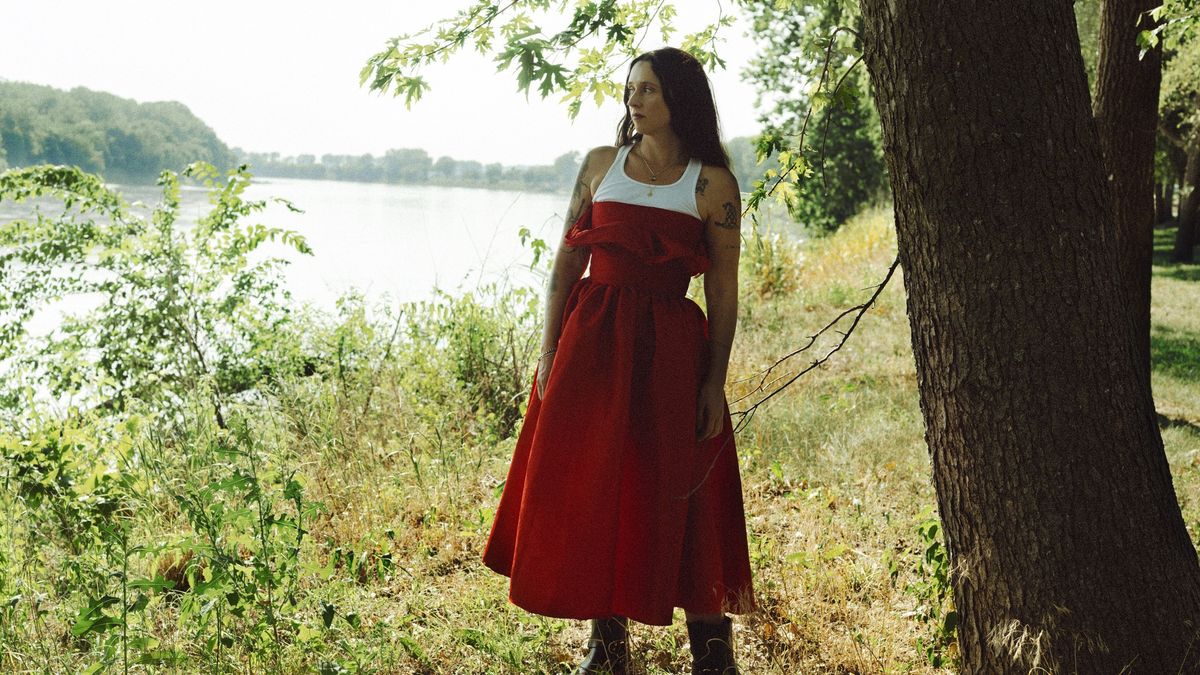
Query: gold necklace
<point x="653" y="173"/>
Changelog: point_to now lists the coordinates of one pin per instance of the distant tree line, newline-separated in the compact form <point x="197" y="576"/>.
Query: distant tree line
<point x="102" y="133"/>
<point x="416" y="166"/>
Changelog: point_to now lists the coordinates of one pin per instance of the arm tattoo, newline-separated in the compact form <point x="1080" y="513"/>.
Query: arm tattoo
<point x="576" y="208"/>
<point x="731" y="217"/>
<point x="701" y="184"/>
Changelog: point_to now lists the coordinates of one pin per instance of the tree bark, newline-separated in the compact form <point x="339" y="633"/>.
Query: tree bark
<point x="1126" y="112"/>
<point x="1056" y="497"/>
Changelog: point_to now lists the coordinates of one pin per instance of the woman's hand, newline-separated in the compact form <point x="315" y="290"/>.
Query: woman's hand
<point x="543" y="373"/>
<point x="710" y="410"/>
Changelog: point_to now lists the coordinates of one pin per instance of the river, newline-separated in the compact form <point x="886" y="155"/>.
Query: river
<point x="394" y="241"/>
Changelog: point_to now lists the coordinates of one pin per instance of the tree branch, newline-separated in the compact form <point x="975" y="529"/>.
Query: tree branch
<point x="808" y="115"/>
<point x="1171" y="135"/>
<point x="770" y="387"/>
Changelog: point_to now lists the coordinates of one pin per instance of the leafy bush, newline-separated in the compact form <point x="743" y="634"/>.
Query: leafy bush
<point x="174" y="310"/>
<point x="933" y="593"/>
<point x="485" y="341"/>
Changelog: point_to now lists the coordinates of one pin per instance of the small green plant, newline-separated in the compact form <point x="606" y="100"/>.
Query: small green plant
<point x="770" y="262"/>
<point x="249" y="520"/>
<point x="78" y="474"/>
<point x="934" y="595"/>
<point x="115" y="613"/>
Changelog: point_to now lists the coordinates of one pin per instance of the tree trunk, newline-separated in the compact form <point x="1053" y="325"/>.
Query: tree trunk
<point x="1126" y="112"/>
<point x="1167" y="208"/>
<point x="1160" y="202"/>
<point x="1056" y="498"/>
<point x="1189" y="206"/>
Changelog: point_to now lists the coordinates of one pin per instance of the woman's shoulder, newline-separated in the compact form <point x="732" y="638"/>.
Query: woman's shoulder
<point x="718" y="175"/>
<point x="596" y="163"/>
<point x="716" y="183"/>
<point x="601" y="154"/>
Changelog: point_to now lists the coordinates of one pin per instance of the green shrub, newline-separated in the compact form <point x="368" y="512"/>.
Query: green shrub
<point x="174" y="309"/>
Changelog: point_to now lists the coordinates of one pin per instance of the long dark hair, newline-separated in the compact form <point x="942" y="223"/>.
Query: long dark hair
<point x="689" y="97"/>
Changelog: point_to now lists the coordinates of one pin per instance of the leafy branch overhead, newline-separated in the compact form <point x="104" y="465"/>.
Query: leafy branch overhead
<point x="579" y="59"/>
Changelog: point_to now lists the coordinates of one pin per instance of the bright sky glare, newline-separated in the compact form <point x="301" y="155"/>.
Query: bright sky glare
<point x="283" y="76"/>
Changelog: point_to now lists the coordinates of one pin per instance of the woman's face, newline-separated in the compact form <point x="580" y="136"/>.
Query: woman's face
<point x="645" y="100"/>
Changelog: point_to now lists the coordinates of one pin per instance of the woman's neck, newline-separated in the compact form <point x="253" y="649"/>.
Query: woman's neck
<point x="662" y="151"/>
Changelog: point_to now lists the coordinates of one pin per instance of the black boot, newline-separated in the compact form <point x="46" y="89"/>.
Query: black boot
<point x="609" y="645"/>
<point x="712" y="647"/>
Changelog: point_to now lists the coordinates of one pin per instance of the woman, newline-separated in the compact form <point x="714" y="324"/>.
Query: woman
<point x="623" y="500"/>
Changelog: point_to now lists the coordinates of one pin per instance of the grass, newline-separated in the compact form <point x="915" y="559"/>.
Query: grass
<point x="1175" y="354"/>
<point x="388" y="574"/>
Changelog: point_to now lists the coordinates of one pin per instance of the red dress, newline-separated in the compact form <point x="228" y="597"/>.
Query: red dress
<point x="611" y="506"/>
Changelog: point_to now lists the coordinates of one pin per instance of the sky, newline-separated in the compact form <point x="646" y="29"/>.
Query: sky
<point x="272" y="76"/>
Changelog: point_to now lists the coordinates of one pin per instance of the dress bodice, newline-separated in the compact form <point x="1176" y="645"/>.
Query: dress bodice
<point x="641" y="246"/>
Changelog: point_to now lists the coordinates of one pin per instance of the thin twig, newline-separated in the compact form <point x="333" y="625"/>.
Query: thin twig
<point x="828" y="119"/>
<point x="858" y="311"/>
<point x="808" y="115"/>
<point x="462" y="35"/>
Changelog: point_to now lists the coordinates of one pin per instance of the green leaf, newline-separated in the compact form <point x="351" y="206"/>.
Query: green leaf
<point x="139" y="604"/>
<point x="950" y="623"/>
<point x="413" y="649"/>
<point x="293" y="491"/>
<point x="93" y="619"/>
<point x="158" y="583"/>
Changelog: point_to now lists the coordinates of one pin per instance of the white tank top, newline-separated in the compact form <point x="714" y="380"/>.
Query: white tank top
<point x="617" y="186"/>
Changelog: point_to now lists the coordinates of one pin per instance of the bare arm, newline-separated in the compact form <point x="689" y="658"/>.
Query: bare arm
<point x="569" y="264"/>
<point x="722" y="231"/>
